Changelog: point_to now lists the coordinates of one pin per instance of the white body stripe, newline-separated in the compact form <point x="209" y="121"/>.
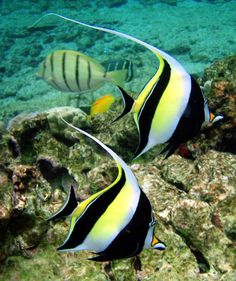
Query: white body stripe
<point x="169" y="110"/>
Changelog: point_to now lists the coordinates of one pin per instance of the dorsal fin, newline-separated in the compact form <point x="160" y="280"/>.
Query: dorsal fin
<point x="69" y="206"/>
<point x="119" y="161"/>
<point x="159" y="53"/>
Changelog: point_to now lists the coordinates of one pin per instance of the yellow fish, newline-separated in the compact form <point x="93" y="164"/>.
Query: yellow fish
<point x="102" y="104"/>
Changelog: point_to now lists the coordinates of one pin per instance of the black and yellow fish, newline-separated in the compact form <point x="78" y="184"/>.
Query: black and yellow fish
<point x="72" y="71"/>
<point x="170" y="109"/>
<point x="116" y="222"/>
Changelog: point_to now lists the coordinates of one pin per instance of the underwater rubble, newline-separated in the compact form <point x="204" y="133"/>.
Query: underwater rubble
<point x="193" y="197"/>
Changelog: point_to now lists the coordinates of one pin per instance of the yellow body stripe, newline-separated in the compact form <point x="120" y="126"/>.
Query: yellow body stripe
<point x="83" y="205"/>
<point x="170" y="106"/>
<point x="147" y="89"/>
<point x="115" y="218"/>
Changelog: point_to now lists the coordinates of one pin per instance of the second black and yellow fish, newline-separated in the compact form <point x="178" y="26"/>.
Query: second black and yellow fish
<point x="116" y="222"/>
<point x="170" y="109"/>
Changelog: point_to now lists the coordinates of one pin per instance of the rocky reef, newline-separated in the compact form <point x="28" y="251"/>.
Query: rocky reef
<point x="193" y="198"/>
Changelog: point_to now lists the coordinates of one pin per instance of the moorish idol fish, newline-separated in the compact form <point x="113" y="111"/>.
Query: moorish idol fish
<point x="171" y="107"/>
<point x="72" y="71"/>
<point x="116" y="222"/>
<point x="102" y="104"/>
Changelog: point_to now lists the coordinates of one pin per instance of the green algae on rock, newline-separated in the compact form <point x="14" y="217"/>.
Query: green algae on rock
<point x="193" y="202"/>
<point x="220" y="87"/>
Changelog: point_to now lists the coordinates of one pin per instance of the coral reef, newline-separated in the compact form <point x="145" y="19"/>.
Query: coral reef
<point x="193" y="200"/>
<point x="220" y="88"/>
<point x="193" y="195"/>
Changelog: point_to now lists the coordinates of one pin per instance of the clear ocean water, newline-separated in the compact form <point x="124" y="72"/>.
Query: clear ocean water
<point x="192" y="193"/>
<point x="196" y="33"/>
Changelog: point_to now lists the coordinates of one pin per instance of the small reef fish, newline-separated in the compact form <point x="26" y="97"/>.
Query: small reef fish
<point x="170" y="109"/>
<point x="116" y="222"/>
<point x="72" y="71"/>
<point x="102" y="104"/>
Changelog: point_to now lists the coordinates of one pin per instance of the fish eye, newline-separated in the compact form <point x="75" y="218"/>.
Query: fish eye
<point x="152" y="223"/>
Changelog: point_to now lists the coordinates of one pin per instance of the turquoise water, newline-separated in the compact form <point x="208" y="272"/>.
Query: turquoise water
<point x="196" y="33"/>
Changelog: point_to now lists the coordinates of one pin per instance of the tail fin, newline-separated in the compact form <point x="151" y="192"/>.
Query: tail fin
<point x="69" y="206"/>
<point x="117" y="77"/>
<point x="128" y="103"/>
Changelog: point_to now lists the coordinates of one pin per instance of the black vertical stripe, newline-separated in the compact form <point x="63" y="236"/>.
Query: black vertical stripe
<point x="130" y="241"/>
<point x="129" y="74"/>
<point x="77" y="72"/>
<point x="44" y="68"/>
<point x="51" y="64"/>
<point x="117" y="66"/>
<point x="93" y="212"/>
<point x="124" y="65"/>
<point x="108" y="67"/>
<point x="147" y="111"/>
<point x="64" y="71"/>
<point x="89" y="75"/>
<point x="53" y="80"/>
<point x="191" y="120"/>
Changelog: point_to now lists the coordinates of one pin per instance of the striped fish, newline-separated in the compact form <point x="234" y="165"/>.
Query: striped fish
<point x="72" y="71"/>
<point x="170" y="109"/>
<point x="116" y="222"/>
